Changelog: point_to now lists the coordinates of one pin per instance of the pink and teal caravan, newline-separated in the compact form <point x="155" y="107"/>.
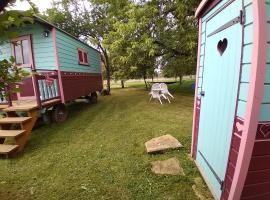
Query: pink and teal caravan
<point x="62" y="69"/>
<point x="62" y="66"/>
<point x="231" y="126"/>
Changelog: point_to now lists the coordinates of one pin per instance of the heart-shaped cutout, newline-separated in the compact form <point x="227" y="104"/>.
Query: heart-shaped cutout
<point x="222" y="46"/>
<point x="239" y="127"/>
<point x="265" y="130"/>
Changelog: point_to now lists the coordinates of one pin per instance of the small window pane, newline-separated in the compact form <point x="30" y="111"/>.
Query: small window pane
<point x="80" y="56"/>
<point x="18" y="52"/>
<point x="85" y="57"/>
<point x="26" y="51"/>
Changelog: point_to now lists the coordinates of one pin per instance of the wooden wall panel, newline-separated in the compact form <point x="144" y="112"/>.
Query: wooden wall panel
<point x="68" y="56"/>
<point x="76" y="85"/>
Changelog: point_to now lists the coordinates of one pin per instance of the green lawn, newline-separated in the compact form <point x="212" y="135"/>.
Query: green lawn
<point x="99" y="153"/>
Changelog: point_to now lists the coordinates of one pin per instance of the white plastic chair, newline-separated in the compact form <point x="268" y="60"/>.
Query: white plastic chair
<point x="156" y="93"/>
<point x="155" y="86"/>
<point x="164" y="90"/>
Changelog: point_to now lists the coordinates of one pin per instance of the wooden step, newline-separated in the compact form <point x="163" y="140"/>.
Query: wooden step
<point x="11" y="133"/>
<point x="14" y="120"/>
<point x="50" y="103"/>
<point x="21" y="108"/>
<point x="3" y="106"/>
<point x="6" y="149"/>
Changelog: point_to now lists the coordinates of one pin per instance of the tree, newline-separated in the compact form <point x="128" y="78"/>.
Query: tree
<point x="13" y="18"/>
<point x="130" y="45"/>
<point x="177" y="37"/>
<point x="4" y="3"/>
<point x="89" y="20"/>
<point x="153" y="34"/>
<point x="134" y="37"/>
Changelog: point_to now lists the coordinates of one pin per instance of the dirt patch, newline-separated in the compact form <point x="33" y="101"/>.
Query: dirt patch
<point x="200" y="189"/>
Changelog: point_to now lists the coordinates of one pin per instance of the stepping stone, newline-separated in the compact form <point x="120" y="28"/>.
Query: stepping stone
<point x="167" y="167"/>
<point x="162" y="143"/>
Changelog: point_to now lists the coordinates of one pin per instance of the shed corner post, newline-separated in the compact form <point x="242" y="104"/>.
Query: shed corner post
<point x="257" y="77"/>
<point x="195" y="113"/>
<point x="57" y="63"/>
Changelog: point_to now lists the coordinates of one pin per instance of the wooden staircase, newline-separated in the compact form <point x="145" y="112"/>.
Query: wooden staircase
<point x="20" y="136"/>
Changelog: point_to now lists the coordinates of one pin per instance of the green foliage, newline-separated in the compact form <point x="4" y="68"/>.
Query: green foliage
<point x="10" y="74"/>
<point x="15" y="18"/>
<point x="135" y="37"/>
<point x="154" y="34"/>
<point x="87" y="21"/>
<point x="67" y="15"/>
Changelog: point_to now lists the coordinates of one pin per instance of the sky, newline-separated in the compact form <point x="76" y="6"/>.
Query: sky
<point x="41" y="4"/>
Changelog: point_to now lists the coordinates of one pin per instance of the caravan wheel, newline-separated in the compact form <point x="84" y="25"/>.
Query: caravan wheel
<point x="92" y="98"/>
<point x="59" y="113"/>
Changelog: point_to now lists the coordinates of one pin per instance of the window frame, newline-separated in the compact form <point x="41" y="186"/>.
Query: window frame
<point x="30" y="53"/>
<point x="84" y="52"/>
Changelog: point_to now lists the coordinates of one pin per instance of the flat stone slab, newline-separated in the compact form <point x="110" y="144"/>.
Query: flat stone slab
<point x="162" y="143"/>
<point x="167" y="167"/>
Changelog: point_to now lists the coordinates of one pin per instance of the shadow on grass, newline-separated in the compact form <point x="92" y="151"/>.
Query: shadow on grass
<point x="185" y="89"/>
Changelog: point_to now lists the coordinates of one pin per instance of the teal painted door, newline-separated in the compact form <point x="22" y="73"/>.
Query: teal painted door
<point x="220" y="85"/>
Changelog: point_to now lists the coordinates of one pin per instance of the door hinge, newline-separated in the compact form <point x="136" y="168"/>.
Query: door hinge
<point x="239" y="19"/>
<point x="222" y="186"/>
<point x="213" y="171"/>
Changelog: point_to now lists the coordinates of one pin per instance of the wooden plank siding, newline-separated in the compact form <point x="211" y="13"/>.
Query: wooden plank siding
<point x="257" y="181"/>
<point x="243" y="87"/>
<point x="242" y="98"/>
<point x="265" y="110"/>
<point x="68" y="56"/>
<point x="42" y="46"/>
<point x="258" y="178"/>
<point x="77" y="80"/>
<point x="246" y="62"/>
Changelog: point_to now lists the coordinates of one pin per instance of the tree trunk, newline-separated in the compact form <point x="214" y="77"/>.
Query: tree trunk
<point x="122" y="84"/>
<point x="108" y="77"/>
<point x="181" y="79"/>
<point x="146" y="86"/>
<point x="106" y="62"/>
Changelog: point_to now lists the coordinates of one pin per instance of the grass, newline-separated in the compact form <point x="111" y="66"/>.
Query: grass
<point x="99" y="153"/>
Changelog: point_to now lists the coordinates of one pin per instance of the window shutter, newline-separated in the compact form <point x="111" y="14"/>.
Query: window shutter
<point x="80" y="56"/>
<point x="85" y="58"/>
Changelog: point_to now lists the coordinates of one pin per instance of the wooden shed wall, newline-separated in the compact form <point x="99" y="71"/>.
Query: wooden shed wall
<point x="265" y="110"/>
<point x="242" y="98"/>
<point x="77" y="80"/>
<point x="243" y="89"/>
<point x="68" y="56"/>
<point x="258" y="177"/>
<point x="42" y="46"/>
<point x="200" y="70"/>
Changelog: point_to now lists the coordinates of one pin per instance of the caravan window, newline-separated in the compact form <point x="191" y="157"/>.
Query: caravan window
<point x="82" y="57"/>
<point x="22" y="51"/>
